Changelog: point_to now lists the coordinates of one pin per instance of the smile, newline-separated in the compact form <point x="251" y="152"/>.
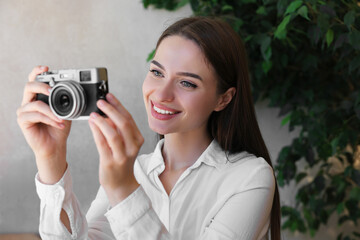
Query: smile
<point x="162" y="111"/>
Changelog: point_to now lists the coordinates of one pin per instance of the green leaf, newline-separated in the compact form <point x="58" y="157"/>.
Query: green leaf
<point x="340" y="208"/>
<point x="261" y="10"/>
<point x="300" y="176"/>
<point x="303" y="11"/>
<point x="266" y="66"/>
<point x="286" y="120"/>
<point x="293" y="6"/>
<point x="151" y="55"/>
<point x="334" y="145"/>
<point x="265" y="47"/>
<point x="182" y="3"/>
<point x="354" y="39"/>
<point x="285" y="151"/>
<point x="226" y="8"/>
<point x="355" y="193"/>
<point x="146" y="3"/>
<point x="349" y="18"/>
<point x="280" y="32"/>
<point x="329" y="36"/>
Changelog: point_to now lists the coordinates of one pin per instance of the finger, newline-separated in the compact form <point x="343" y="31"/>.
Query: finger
<point x="39" y="106"/>
<point x="122" y="118"/>
<point x="100" y="141"/>
<point x="33" y="88"/>
<point x="117" y="104"/>
<point x="27" y="119"/>
<point x="37" y="70"/>
<point x="111" y="135"/>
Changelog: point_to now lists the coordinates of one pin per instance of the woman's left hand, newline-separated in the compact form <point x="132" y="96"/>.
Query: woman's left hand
<point x="118" y="141"/>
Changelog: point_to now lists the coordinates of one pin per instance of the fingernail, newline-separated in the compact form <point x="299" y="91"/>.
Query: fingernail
<point x="49" y="89"/>
<point x="93" y="115"/>
<point x="42" y="67"/>
<point x="61" y="125"/>
<point x="110" y="96"/>
<point x="101" y="103"/>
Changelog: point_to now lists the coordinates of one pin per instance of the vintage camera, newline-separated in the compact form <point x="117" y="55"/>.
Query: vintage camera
<point x="74" y="92"/>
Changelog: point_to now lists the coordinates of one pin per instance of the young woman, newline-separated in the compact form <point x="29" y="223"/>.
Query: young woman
<point x="210" y="175"/>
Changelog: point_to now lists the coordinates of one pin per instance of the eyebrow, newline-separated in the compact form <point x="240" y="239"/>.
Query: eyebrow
<point x="186" y="74"/>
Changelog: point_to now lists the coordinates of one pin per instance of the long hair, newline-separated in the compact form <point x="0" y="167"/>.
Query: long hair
<point x="235" y="128"/>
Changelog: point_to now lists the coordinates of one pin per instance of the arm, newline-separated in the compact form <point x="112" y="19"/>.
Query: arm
<point x="44" y="132"/>
<point x="58" y="198"/>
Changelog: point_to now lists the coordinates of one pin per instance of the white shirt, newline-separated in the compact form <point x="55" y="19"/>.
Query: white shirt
<point x="218" y="197"/>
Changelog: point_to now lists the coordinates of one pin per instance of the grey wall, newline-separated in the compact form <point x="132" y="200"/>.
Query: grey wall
<point x="79" y="34"/>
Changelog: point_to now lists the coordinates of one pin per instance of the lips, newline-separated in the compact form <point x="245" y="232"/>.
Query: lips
<point x="162" y="113"/>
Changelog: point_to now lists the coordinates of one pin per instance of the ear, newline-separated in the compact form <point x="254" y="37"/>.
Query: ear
<point x="225" y="99"/>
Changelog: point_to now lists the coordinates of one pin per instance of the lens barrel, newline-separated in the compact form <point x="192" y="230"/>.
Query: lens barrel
<point x="67" y="100"/>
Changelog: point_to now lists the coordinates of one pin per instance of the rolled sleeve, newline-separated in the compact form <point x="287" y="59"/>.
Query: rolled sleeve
<point x="53" y="195"/>
<point x="135" y="217"/>
<point x="54" y="198"/>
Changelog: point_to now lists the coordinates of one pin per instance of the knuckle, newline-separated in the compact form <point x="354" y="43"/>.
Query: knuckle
<point x="28" y="85"/>
<point x="30" y="76"/>
<point x="125" y="124"/>
<point x="115" y="138"/>
<point x="18" y="111"/>
<point x="108" y="164"/>
<point x="141" y="140"/>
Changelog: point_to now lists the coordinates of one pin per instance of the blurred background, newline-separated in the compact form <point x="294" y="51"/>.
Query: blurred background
<point x="64" y="34"/>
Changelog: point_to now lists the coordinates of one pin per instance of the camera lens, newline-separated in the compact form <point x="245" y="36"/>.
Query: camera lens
<point x="67" y="100"/>
<point x="63" y="102"/>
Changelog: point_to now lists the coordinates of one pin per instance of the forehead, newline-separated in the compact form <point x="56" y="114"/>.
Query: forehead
<point x="180" y="52"/>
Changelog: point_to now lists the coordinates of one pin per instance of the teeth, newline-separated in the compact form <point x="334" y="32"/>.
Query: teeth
<point x="162" y="111"/>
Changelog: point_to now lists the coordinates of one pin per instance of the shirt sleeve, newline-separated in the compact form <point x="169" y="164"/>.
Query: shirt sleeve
<point x="140" y="220"/>
<point x="54" y="198"/>
<point x="133" y="218"/>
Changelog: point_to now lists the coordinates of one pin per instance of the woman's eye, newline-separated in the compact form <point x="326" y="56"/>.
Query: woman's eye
<point x="188" y="84"/>
<point x="156" y="73"/>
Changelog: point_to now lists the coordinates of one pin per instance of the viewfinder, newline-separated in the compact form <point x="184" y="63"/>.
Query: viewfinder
<point x="85" y="76"/>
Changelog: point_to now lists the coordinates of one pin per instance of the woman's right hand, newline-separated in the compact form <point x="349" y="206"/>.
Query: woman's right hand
<point x="44" y="132"/>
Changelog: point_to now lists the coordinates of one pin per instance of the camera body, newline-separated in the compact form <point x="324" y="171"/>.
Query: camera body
<point x="74" y="92"/>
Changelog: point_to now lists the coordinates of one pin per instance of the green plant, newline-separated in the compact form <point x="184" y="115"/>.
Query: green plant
<point x="304" y="59"/>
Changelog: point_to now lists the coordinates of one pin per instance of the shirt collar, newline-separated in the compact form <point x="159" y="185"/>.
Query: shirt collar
<point x="212" y="156"/>
<point x="156" y="159"/>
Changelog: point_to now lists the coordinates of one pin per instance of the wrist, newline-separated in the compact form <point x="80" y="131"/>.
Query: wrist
<point x="117" y="195"/>
<point x="51" y="169"/>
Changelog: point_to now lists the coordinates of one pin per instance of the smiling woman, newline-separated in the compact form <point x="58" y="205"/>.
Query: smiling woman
<point x="210" y="177"/>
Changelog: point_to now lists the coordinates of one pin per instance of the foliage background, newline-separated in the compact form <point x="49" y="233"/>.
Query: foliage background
<point x="304" y="58"/>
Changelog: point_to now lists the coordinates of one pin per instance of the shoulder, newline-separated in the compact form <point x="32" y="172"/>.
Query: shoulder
<point x="246" y="171"/>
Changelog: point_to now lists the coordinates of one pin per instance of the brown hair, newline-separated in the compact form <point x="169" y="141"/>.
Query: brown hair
<point x="235" y="128"/>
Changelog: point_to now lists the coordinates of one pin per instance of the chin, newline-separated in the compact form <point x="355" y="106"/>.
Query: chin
<point x="159" y="130"/>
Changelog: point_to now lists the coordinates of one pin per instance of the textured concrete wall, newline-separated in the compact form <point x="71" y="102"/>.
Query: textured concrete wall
<point x="79" y="34"/>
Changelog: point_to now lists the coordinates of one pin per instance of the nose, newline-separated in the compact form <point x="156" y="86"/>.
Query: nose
<point x="165" y="92"/>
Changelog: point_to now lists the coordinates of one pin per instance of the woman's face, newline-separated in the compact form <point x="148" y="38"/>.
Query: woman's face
<point x="180" y="89"/>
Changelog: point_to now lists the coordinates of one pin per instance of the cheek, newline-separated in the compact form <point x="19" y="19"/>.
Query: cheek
<point x="146" y="87"/>
<point x="202" y="105"/>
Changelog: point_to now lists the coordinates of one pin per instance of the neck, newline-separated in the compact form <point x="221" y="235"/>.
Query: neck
<point x="181" y="150"/>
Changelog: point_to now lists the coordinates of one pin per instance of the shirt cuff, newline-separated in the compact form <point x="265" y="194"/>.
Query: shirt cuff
<point x="56" y="193"/>
<point x="130" y="210"/>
